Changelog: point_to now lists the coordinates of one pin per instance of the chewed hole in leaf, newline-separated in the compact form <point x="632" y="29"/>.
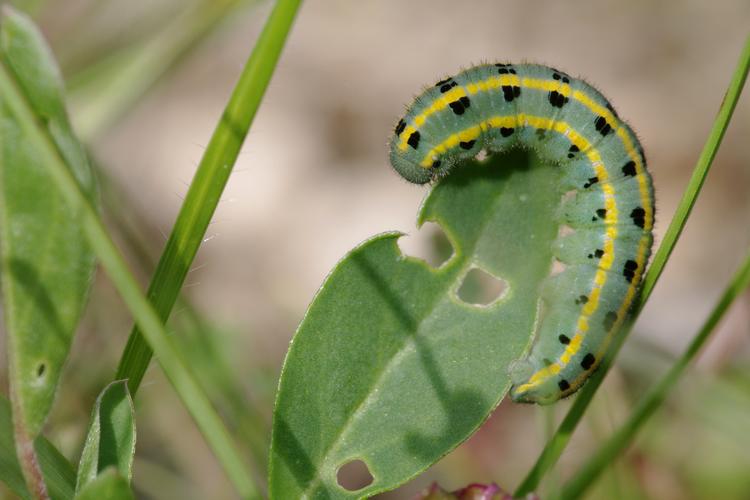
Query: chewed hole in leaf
<point x="557" y="267"/>
<point x="354" y="475"/>
<point x="565" y="230"/>
<point x="429" y="244"/>
<point x="480" y="288"/>
<point x="406" y="308"/>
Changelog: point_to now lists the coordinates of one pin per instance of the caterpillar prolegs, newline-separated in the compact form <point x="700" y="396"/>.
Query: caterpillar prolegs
<point x="499" y="106"/>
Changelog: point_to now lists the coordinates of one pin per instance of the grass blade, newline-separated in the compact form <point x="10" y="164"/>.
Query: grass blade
<point x="586" y="476"/>
<point x="202" y="343"/>
<point x="208" y="184"/>
<point x="103" y="92"/>
<point x="559" y="440"/>
<point x="173" y="365"/>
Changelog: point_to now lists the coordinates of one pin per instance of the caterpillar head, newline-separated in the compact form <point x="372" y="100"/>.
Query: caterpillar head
<point x="406" y="163"/>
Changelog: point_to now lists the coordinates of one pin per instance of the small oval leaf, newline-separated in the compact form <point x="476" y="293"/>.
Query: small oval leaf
<point x="110" y="441"/>
<point x="389" y="366"/>
<point x="108" y="485"/>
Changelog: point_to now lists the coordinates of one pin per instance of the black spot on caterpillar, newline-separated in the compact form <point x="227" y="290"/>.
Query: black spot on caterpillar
<point x="573" y="123"/>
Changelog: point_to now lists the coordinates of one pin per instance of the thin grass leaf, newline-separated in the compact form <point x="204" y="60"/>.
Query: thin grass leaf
<point x="106" y="90"/>
<point x="205" y="346"/>
<point x="559" y="441"/>
<point x="202" y="343"/>
<point x="110" y="441"/>
<point x="173" y="365"/>
<point x="616" y="444"/>
<point x="208" y="184"/>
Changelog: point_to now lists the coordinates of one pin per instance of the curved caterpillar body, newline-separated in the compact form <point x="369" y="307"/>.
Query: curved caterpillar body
<point x="568" y="122"/>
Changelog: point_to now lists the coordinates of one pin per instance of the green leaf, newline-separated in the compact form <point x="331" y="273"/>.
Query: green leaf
<point x="59" y="475"/>
<point x="46" y="266"/>
<point x="109" y="485"/>
<point x="180" y="376"/>
<point x="389" y="366"/>
<point x="110" y="441"/>
<point x="45" y="263"/>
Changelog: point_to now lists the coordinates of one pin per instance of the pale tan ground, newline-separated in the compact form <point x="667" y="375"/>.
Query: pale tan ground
<point x="313" y="179"/>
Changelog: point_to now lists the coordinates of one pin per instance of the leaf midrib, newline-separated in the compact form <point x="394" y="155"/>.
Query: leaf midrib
<point x="462" y="260"/>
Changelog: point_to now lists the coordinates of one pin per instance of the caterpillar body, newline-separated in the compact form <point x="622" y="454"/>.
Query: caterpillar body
<point x="499" y="106"/>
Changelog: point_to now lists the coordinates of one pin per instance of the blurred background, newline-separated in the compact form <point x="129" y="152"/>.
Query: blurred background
<point x="147" y="81"/>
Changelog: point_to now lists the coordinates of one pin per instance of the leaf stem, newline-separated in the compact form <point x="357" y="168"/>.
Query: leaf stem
<point x="559" y="441"/>
<point x="27" y="458"/>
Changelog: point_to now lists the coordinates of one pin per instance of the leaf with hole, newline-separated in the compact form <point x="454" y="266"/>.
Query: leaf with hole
<point x="390" y="366"/>
<point x="46" y="265"/>
<point x="110" y="441"/>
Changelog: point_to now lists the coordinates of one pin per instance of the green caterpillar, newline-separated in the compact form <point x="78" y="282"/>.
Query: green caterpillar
<point x="499" y="106"/>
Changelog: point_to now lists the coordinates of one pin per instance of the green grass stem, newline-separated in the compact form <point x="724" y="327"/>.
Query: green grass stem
<point x="219" y="157"/>
<point x="208" y="183"/>
<point x="560" y="439"/>
<point x="109" y="88"/>
<point x="617" y="443"/>
<point x="174" y="367"/>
